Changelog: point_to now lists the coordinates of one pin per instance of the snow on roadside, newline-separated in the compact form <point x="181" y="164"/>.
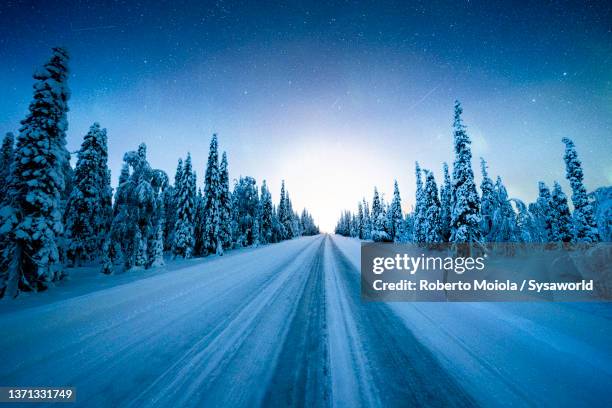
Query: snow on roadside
<point x="515" y="353"/>
<point x="88" y="279"/>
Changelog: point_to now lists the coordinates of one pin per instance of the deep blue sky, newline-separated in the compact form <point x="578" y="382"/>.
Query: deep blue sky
<point x="335" y="97"/>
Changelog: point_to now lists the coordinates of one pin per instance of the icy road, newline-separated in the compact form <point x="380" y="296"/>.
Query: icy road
<point x="283" y="325"/>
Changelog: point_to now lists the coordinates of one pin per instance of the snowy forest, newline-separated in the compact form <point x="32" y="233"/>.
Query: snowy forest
<point x="53" y="215"/>
<point x="458" y="213"/>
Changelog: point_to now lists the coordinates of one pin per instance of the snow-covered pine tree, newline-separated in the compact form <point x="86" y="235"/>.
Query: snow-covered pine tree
<point x="527" y="228"/>
<point x="419" y="210"/>
<point x="360" y="220"/>
<point x="544" y="212"/>
<point x="445" y="205"/>
<point x="409" y="227"/>
<point x="89" y="208"/>
<point x="32" y="216"/>
<point x="337" y="229"/>
<point x="256" y="232"/>
<point x="184" y="229"/>
<point x="504" y="223"/>
<point x="353" y="232"/>
<point x="278" y="230"/>
<point x="284" y="216"/>
<point x="585" y="228"/>
<point x="561" y="225"/>
<point x="308" y="225"/>
<point x="6" y="161"/>
<point x="140" y="254"/>
<point x="157" y="250"/>
<point x="293" y="218"/>
<point x="487" y="202"/>
<point x="465" y="217"/>
<point x="107" y="262"/>
<point x="367" y="221"/>
<point x="602" y="209"/>
<point x="397" y="219"/>
<point x="344" y="225"/>
<point x="160" y="183"/>
<point x="245" y="206"/>
<point x="121" y="225"/>
<point x="432" y="227"/>
<point x="198" y="225"/>
<point x="212" y="211"/>
<point x="137" y="209"/>
<point x="170" y="197"/>
<point x="225" y="204"/>
<point x="266" y="212"/>
<point x="379" y="233"/>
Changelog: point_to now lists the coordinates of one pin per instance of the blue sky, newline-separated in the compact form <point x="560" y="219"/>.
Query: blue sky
<point x="334" y="98"/>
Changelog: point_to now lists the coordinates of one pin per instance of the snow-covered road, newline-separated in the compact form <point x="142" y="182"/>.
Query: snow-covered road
<point x="283" y="325"/>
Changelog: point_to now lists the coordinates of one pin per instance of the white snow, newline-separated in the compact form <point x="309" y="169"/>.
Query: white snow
<point x="542" y="354"/>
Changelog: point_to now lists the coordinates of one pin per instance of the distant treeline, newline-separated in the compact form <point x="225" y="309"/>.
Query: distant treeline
<point x="457" y="213"/>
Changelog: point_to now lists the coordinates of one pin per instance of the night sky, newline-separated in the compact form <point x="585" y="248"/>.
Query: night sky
<point x="334" y="97"/>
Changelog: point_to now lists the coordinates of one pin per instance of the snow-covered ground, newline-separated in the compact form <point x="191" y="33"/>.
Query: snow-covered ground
<point x="540" y="354"/>
<point x="284" y="325"/>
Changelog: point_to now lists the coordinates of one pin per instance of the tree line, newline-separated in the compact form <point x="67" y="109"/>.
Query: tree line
<point x="53" y="215"/>
<point x="457" y="213"/>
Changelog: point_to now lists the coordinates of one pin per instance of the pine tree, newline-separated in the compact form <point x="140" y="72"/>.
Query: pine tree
<point x="396" y="217"/>
<point x="157" y="250"/>
<point x="212" y="220"/>
<point x="140" y="258"/>
<point x="184" y="229"/>
<point x="487" y="201"/>
<point x="89" y="209"/>
<point x="432" y="227"/>
<point x="266" y="215"/>
<point x="138" y="209"/>
<point x="465" y="217"/>
<point x="544" y="212"/>
<point x="354" y="232"/>
<point x="32" y="216"/>
<point x="504" y="223"/>
<point x="107" y="263"/>
<point x="308" y="224"/>
<point x="602" y="210"/>
<point x="198" y="225"/>
<point x="361" y="221"/>
<point x="170" y="200"/>
<point x="367" y="221"/>
<point x="345" y="226"/>
<point x="6" y="161"/>
<point x="379" y="234"/>
<point x="292" y="220"/>
<point x="277" y="228"/>
<point x="445" y="205"/>
<point x="527" y="229"/>
<point x="561" y="225"/>
<point x="419" y="211"/>
<point x="245" y="207"/>
<point x="284" y="214"/>
<point x="585" y="228"/>
<point x="225" y="204"/>
<point x="409" y="227"/>
<point x="122" y="227"/>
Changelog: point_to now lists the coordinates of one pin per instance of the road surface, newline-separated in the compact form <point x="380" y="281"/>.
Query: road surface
<point x="281" y="325"/>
